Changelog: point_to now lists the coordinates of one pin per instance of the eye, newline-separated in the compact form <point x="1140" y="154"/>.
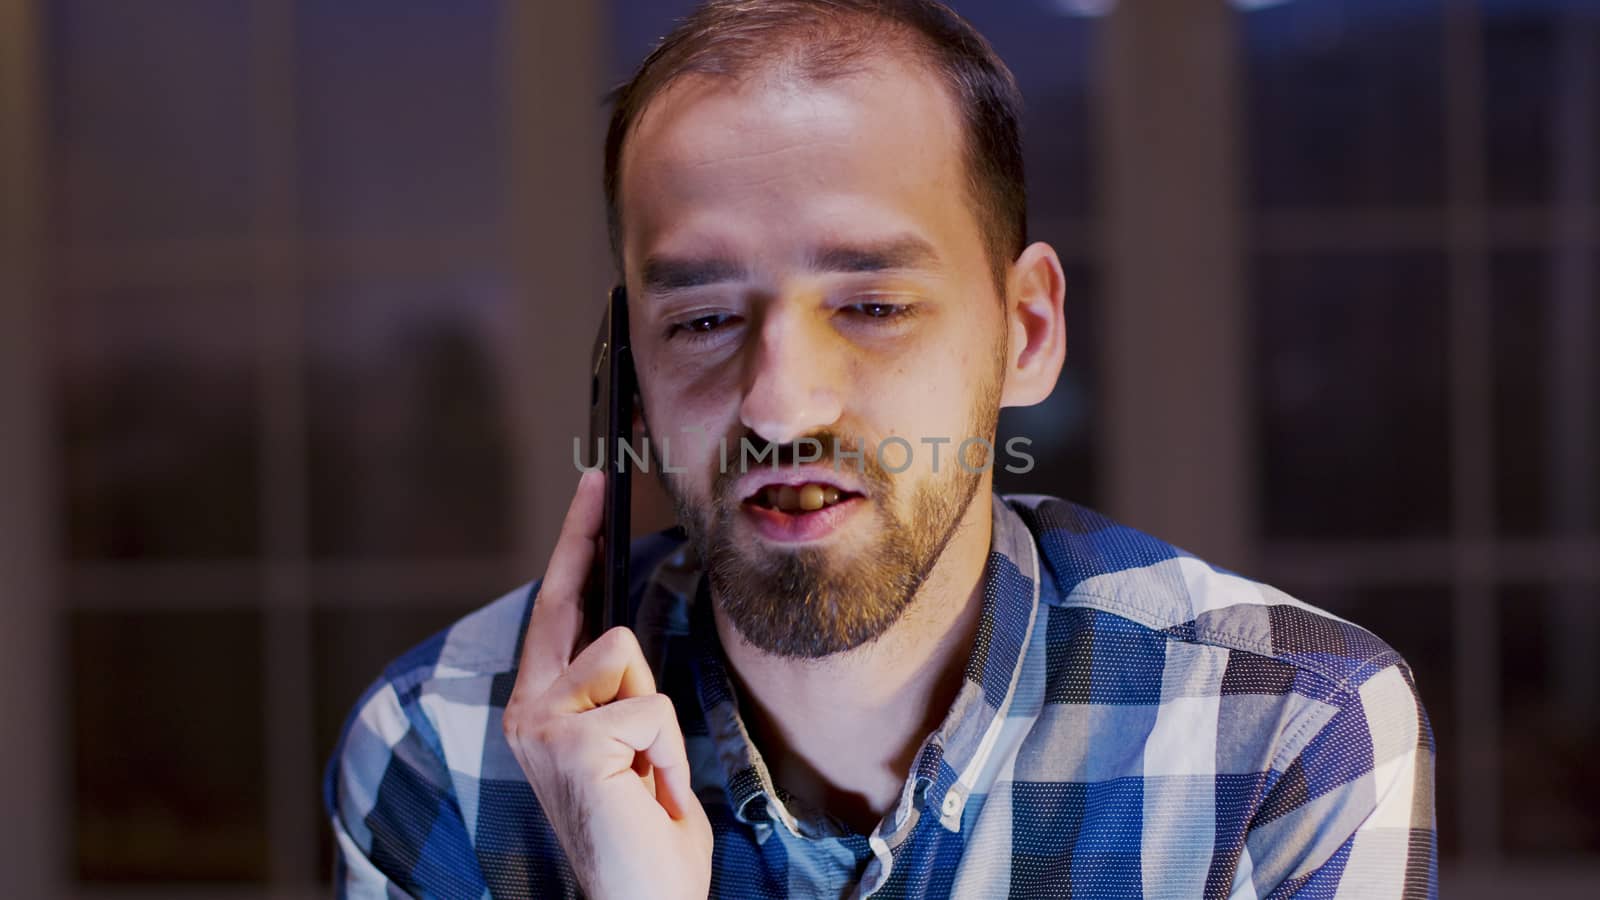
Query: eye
<point x="705" y="323"/>
<point x="701" y="325"/>
<point x="881" y="310"/>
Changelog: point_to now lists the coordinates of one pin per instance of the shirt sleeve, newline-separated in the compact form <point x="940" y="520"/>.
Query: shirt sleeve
<point x="1353" y="814"/>
<point x="395" y="817"/>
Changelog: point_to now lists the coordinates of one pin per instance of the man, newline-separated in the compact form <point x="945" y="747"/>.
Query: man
<point x="862" y="673"/>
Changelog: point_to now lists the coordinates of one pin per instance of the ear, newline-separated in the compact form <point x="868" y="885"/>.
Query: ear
<point x="1036" y="324"/>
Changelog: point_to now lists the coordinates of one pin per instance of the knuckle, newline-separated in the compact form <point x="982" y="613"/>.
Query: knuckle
<point x="621" y="645"/>
<point x="559" y="741"/>
<point x="522" y="727"/>
<point x="515" y="730"/>
<point x="620" y="638"/>
<point x="627" y="636"/>
<point x="544" y="602"/>
<point x="662" y="704"/>
<point x="513" y="720"/>
<point x="607" y="652"/>
<point x="551" y="739"/>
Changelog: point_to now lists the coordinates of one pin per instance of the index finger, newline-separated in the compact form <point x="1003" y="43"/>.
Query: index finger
<point x="556" y="622"/>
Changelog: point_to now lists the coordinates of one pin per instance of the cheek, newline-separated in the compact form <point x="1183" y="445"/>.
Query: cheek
<point x="930" y="395"/>
<point x="679" y="396"/>
<point x="686" y="380"/>
<point x="690" y="437"/>
<point x="685" y="423"/>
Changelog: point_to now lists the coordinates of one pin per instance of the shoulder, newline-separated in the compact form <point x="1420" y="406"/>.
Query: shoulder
<point x="1099" y="564"/>
<point x="1207" y="673"/>
<point x="420" y="725"/>
<point x="1134" y="620"/>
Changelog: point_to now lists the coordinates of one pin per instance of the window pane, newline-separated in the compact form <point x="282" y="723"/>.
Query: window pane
<point x="408" y="443"/>
<point x="636" y="26"/>
<point x="1547" y="393"/>
<point x="400" y="117"/>
<point x="1550" y="734"/>
<point x="167" y="739"/>
<point x="1352" y="395"/>
<point x="1542" y="84"/>
<point x="151" y="118"/>
<point x="159" y="430"/>
<point x="1051" y="55"/>
<point x="351" y="647"/>
<point x="1344" y="103"/>
<point x="1418" y="623"/>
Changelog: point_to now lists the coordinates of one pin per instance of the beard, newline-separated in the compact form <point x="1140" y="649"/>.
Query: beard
<point x="813" y="602"/>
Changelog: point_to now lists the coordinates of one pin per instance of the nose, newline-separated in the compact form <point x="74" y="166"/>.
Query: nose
<point x="791" y="380"/>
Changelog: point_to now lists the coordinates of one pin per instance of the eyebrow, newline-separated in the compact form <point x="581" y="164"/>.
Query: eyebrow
<point x="904" y="252"/>
<point x="665" y="274"/>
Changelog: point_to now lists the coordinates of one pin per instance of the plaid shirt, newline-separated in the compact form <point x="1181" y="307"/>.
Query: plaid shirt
<point x="1133" y="722"/>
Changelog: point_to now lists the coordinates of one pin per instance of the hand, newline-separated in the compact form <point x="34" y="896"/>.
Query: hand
<point x="601" y="748"/>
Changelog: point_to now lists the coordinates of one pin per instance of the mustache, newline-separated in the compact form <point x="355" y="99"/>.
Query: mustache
<point x="831" y="448"/>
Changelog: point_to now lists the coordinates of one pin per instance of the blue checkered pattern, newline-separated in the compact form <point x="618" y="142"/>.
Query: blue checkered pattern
<point x="1134" y="723"/>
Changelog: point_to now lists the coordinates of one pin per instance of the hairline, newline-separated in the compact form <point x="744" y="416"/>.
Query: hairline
<point x="915" y="52"/>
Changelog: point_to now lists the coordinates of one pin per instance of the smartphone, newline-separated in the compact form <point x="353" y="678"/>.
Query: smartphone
<point x="612" y="392"/>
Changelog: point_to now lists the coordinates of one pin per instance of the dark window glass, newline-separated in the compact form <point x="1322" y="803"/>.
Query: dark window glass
<point x="151" y="118"/>
<point x="1052" y="56"/>
<point x="1547" y="392"/>
<point x="636" y="27"/>
<point x="1352" y="395"/>
<point x="1344" y="103"/>
<point x="1550" y="728"/>
<point x="158" y="422"/>
<point x="408" y="418"/>
<point x="1542" y="96"/>
<point x="167" y="738"/>
<point x="400" y="109"/>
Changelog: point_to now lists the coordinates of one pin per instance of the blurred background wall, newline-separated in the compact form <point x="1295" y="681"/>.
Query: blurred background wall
<point x="297" y="297"/>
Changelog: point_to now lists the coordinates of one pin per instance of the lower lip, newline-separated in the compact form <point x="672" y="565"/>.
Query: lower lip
<point x="796" y="528"/>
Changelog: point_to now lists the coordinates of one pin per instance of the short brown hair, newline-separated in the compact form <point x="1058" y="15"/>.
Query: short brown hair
<point x="822" y="39"/>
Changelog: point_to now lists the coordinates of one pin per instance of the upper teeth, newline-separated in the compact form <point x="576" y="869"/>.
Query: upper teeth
<point x="806" y="497"/>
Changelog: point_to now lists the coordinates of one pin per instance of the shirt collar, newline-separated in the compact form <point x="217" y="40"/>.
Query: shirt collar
<point x="949" y="765"/>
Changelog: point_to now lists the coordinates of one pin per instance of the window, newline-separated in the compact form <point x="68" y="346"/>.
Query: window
<point x="1425" y="264"/>
<point x="300" y="410"/>
<point x="283" y="320"/>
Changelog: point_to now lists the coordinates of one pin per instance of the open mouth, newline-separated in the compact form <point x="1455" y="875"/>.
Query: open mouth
<point x="796" y="499"/>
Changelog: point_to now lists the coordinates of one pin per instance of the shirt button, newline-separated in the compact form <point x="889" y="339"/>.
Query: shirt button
<point x="952" y="804"/>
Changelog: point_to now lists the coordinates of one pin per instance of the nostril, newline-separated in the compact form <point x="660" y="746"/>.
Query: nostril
<point x="782" y="414"/>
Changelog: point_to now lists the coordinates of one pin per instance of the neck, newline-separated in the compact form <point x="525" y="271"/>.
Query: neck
<point x="842" y="732"/>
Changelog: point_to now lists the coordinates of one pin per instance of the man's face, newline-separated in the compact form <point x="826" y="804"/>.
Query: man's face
<point x="803" y="262"/>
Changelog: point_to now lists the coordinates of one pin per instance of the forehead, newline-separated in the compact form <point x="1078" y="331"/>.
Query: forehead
<point x="771" y="159"/>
